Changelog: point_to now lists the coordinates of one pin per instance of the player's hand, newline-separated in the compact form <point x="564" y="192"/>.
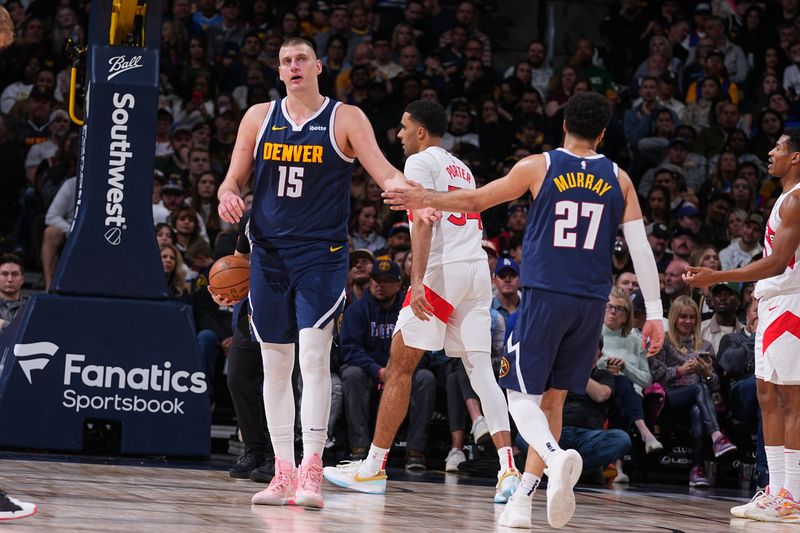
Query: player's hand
<point x="231" y="208"/>
<point x="420" y="306"/>
<point x="700" y="277"/>
<point x="410" y="198"/>
<point x="429" y="215"/>
<point x="220" y="300"/>
<point x="653" y="332"/>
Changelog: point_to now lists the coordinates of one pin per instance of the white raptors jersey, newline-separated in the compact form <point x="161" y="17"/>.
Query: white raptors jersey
<point x="456" y="236"/>
<point x="789" y="281"/>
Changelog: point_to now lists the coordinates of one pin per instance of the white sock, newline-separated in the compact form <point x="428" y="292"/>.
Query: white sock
<point x="278" y="361"/>
<point x="481" y="376"/>
<point x="506" y="455"/>
<point x="791" y="459"/>
<point x="532" y="423"/>
<point x="375" y="461"/>
<point x="315" y="405"/>
<point x="526" y="488"/>
<point x="775" y="465"/>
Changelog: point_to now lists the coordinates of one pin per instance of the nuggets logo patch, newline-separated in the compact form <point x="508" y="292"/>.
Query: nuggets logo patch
<point x="503" y="367"/>
<point x="384" y="266"/>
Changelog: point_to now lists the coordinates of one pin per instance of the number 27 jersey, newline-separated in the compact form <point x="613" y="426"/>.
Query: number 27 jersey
<point x="301" y="186"/>
<point x="572" y="225"/>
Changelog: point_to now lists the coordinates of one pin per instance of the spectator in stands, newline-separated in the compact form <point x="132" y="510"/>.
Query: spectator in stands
<point x="204" y="199"/>
<point x="658" y="235"/>
<point x="363" y="225"/>
<point x="658" y="205"/>
<point x="697" y="113"/>
<point x="683" y="243"/>
<point x="186" y="225"/>
<point x="561" y="88"/>
<point x="459" y="130"/>
<point x="742" y="251"/>
<point x="691" y="166"/>
<point x="737" y="359"/>
<point x="12" y="276"/>
<point x="627" y="282"/>
<point x="366" y="335"/>
<point x="770" y="126"/>
<point x="743" y="195"/>
<point x="674" y="286"/>
<point x="516" y="219"/>
<point x="685" y="368"/>
<point x="59" y="219"/>
<point x="506" y="279"/>
<point x="624" y="357"/>
<point x="725" y="303"/>
<point x="713" y="139"/>
<point x="339" y="21"/>
<point x="652" y="147"/>
<point x="465" y="14"/>
<point x="536" y="57"/>
<point x="714" y="229"/>
<point x="164" y="234"/>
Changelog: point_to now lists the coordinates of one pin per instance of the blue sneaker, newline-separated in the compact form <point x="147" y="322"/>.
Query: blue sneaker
<point x="345" y="475"/>
<point x="507" y="483"/>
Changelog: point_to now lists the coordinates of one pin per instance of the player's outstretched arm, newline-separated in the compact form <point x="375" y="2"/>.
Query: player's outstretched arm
<point x="787" y="240"/>
<point x="231" y="206"/>
<point x="644" y="264"/>
<point x="522" y="177"/>
<point x="361" y="141"/>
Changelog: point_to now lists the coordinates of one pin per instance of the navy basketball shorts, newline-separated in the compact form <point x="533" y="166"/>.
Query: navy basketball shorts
<point x="297" y="287"/>
<point x="553" y="344"/>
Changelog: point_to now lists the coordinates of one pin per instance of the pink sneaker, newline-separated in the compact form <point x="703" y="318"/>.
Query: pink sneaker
<point x="309" y="486"/>
<point x="282" y="487"/>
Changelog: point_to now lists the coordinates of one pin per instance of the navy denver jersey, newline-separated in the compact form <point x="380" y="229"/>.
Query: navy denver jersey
<point x="572" y="226"/>
<point x="301" y="187"/>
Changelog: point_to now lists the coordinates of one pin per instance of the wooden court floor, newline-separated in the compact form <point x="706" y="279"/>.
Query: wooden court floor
<point x="76" y="496"/>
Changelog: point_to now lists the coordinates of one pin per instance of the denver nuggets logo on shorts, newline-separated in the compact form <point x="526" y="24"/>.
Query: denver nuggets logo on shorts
<point x="504" y="366"/>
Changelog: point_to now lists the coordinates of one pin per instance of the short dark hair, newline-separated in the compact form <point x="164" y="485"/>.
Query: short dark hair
<point x="430" y="115"/>
<point x="794" y="138"/>
<point x="587" y="115"/>
<point x="12" y="258"/>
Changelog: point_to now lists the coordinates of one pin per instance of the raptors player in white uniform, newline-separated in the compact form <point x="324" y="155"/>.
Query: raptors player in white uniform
<point x="777" y="343"/>
<point x="446" y="307"/>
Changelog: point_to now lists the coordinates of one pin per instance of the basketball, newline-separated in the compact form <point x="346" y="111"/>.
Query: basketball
<point x="230" y="277"/>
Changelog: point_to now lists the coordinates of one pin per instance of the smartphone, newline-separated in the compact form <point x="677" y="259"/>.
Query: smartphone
<point x="705" y="356"/>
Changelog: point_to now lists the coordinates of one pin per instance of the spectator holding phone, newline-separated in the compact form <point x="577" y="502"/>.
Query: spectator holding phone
<point x="684" y="367"/>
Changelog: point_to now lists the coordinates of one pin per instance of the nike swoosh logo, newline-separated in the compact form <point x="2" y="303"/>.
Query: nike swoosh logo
<point x="336" y="248"/>
<point x="773" y="307"/>
<point x="276" y="128"/>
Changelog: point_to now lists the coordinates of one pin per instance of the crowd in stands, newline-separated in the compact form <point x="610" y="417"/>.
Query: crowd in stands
<point x="701" y="93"/>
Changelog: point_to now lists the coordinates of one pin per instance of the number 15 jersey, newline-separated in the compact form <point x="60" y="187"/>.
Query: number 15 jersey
<point x="572" y="225"/>
<point x="301" y="186"/>
<point x="457" y="236"/>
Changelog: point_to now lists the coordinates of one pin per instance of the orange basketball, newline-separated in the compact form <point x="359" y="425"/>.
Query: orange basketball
<point x="230" y="277"/>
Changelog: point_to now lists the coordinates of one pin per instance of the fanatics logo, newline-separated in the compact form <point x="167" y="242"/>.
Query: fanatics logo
<point x="34" y="356"/>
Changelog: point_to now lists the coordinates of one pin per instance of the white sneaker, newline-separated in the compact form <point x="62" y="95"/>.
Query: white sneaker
<point x="565" y="468"/>
<point x="740" y="511"/>
<point x="12" y="508"/>
<point x="507" y="484"/>
<point x="454" y="458"/>
<point x="480" y="430"/>
<point x="764" y="509"/>
<point x="345" y="475"/>
<point x="517" y="513"/>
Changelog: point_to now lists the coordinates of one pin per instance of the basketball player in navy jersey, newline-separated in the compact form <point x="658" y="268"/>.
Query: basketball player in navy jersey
<point x="303" y="146"/>
<point x="580" y="199"/>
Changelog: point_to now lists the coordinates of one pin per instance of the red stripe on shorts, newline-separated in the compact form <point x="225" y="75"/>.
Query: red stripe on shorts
<point x="788" y="322"/>
<point x="441" y="307"/>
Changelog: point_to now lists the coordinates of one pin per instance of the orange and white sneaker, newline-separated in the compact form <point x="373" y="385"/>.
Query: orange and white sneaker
<point x="309" y="484"/>
<point x="761" y="498"/>
<point x="346" y="475"/>
<point x="775" y="509"/>
<point x="282" y="488"/>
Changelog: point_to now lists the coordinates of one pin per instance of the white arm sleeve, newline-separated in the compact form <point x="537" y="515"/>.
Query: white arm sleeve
<point x="645" y="266"/>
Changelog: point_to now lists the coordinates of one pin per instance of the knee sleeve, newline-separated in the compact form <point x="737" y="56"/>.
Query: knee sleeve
<point x="278" y="361"/>
<point x="481" y="376"/>
<point x="315" y="405"/>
